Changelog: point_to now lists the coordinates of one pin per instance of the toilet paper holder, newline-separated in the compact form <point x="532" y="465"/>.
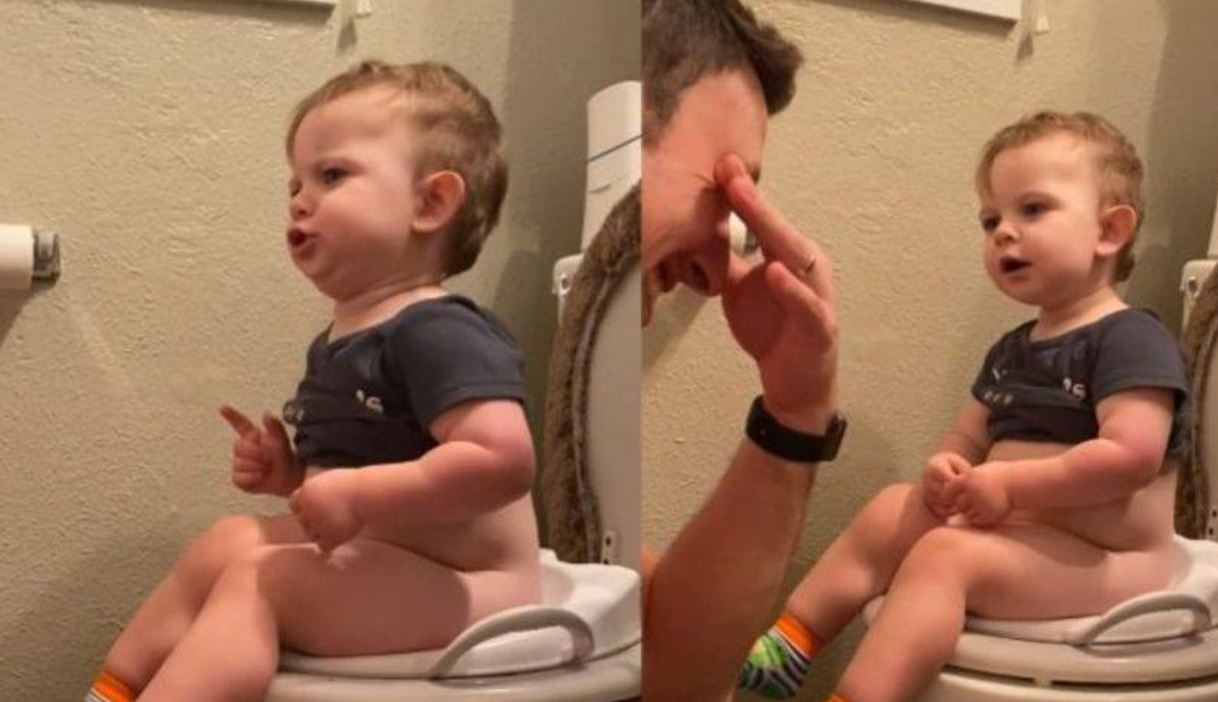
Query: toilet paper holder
<point x="46" y="255"/>
<point x="28" y="254"/>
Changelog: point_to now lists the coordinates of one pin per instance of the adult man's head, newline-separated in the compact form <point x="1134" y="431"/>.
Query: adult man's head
<point x="711" y="76"/>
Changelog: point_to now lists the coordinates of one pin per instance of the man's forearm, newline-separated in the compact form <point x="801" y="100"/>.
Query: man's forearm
<point x="714" y="589"/>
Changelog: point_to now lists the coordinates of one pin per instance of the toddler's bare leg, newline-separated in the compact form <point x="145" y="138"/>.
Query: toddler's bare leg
<point x="1015" y="571"/>
<point x="167" y="613"/>
<point x="367" y="597"/>
<point x="860" y="563"/>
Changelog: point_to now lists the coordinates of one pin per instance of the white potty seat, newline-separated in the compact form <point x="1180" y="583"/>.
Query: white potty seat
<point x="1158" y="637"/>
<point x="589" y="613"/>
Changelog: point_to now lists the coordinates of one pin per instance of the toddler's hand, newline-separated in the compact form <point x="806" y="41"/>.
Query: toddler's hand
<point x="980" y="495"/>
<point x="325" y="508"/>
<point x="940" y="469"/>
<point x="263" y="462"/>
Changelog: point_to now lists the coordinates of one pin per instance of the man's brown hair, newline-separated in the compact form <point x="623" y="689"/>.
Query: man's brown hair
<point x="1116" y="160"/>
<point x="455" y="129"/>
<point x="684" y="40"/>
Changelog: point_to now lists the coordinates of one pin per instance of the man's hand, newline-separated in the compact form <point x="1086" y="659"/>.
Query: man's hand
<point x="940" y="469"/>
<point x="781" y="311"/>
<point x="263" y="462"/>
<point x="980" y="495"/>
<point x="325" y="508"/>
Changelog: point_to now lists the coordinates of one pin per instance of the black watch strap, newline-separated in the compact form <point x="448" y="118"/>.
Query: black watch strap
<point x="772" y="437"/>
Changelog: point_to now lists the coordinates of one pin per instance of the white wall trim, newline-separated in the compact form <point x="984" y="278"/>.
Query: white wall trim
<point x="1004" y="9"/>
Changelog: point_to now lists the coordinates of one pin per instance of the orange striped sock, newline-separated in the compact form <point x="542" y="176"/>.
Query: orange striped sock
<point x="107" y="688"/>
<point x="799" y="635"/>
<point x="779" y="660"/>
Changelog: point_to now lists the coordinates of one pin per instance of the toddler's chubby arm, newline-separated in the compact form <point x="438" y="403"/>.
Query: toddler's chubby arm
<point x="1135" y="426"/>
<point x="484" y="461"/>
<point x="963" y="446"/>
<point x="263" y="461"/>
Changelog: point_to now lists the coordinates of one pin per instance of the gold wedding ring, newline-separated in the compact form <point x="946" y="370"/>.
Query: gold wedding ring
<point x="806" y="270"/>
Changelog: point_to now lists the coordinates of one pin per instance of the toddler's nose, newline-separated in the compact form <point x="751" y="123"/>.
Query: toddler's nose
<point x="298" y="206"/>
<point x="1005" y="234"/>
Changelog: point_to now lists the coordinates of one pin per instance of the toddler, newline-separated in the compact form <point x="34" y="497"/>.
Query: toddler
<point x="1050" y="496"/>
<point x="410" y="516"/>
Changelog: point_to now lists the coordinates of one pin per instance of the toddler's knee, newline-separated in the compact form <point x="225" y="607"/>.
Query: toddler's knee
<point x="894" y="497"/>
<point x="942" y="553"/>
<point x="233" y="527"/>
<point x="245" y="565"/>
<point x="272" y="575"/>
<point x="223" y="543"/>
<point x="245" y="574"/>
<point x="883" y="512"/>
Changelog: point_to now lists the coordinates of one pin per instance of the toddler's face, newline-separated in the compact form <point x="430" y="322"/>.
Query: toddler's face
<point x="352" y="194"/>
<point x="1041" y="219"/>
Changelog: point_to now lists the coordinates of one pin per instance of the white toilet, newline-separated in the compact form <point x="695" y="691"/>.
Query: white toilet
<point x="582" y="644"/>
<point x="1158" y="647"/>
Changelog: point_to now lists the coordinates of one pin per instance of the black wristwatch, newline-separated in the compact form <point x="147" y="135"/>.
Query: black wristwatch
<point x="772" y="437"/>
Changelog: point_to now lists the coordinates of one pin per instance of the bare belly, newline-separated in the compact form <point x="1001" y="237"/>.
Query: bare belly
<point x="1142" y="521"/>
<point x="503" y="540"/>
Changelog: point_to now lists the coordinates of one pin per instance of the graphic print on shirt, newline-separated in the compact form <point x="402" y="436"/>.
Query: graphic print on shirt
<point x="371" y="402"/>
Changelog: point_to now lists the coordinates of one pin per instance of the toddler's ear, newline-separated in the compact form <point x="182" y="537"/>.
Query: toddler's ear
<point x="439" y="197"/>
<point x="1116" y="229"/>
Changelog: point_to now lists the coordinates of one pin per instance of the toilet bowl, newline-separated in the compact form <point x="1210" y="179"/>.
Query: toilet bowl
<point x="582" y="642"/>
<point x="1158" y="647"/>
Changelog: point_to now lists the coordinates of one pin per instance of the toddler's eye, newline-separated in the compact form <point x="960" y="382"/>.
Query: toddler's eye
<point x="989" y="223"/>
<point x="1032" y="209"/>
<point x="330" y="176"/>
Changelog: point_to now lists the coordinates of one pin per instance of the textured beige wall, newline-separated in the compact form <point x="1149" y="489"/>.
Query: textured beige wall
<point x="149" y="134"/>
<point x="875" y="157"/>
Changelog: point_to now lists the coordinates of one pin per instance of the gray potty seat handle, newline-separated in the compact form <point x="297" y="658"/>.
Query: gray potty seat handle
<point x="1150" y="603"/>
<point x="515" y="620"/>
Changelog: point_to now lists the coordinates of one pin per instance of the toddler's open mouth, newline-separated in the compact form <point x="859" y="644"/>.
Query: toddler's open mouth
<point x="1010" y="264"/>
<point x="296" y="237"/>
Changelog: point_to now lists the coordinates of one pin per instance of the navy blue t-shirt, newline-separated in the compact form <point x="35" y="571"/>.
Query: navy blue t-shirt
<point x="369" y="397"/>
<point x="1047" y="390"/>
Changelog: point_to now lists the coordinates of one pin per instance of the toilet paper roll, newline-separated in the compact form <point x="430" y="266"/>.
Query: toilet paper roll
<point x="16" y="256"/>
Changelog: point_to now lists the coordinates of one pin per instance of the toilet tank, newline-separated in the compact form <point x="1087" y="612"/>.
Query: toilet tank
<point x="615" y="156"/>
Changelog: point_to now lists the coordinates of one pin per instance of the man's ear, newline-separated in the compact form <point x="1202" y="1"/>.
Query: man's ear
<point x="1116" y="229"/>
<point x="439" y="196"/>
